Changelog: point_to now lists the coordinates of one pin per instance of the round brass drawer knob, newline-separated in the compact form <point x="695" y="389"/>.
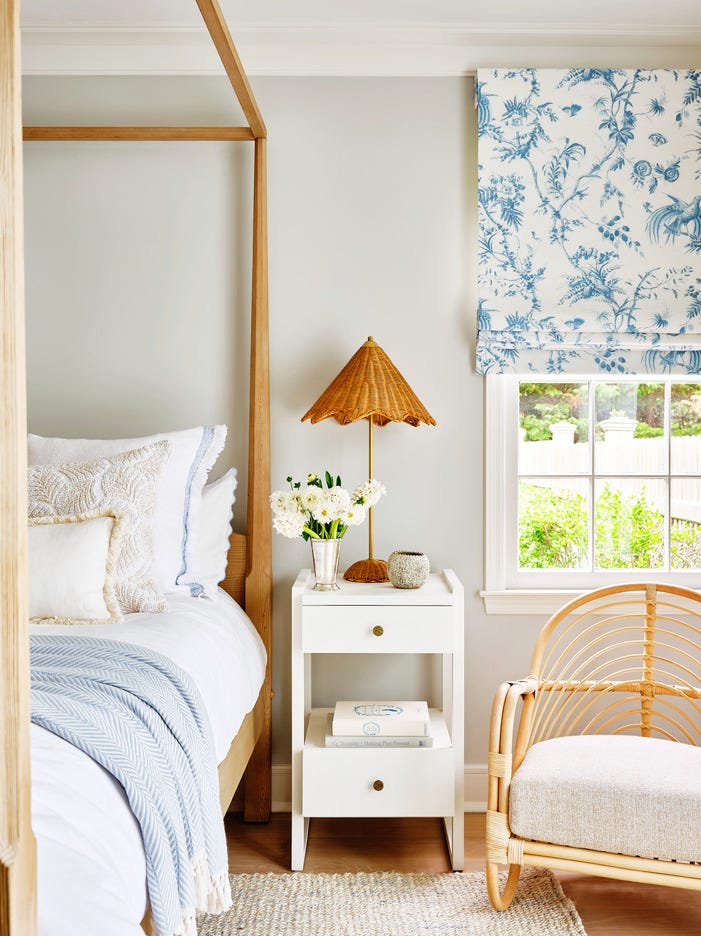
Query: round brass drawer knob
<point x="378" y="785"/>
<point x="378" y="631"/>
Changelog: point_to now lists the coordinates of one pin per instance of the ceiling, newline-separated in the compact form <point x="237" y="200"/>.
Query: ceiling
<point x="357" y="37"/>
<point x="503" y="13"/>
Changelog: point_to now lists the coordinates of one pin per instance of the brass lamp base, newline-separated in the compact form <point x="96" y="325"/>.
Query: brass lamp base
<point x="367" y="570"/>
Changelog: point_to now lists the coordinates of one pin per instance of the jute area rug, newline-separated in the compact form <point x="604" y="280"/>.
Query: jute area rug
<point x="391" y="904"/>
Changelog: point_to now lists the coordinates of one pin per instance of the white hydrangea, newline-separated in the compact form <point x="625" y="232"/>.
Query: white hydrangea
<point x="369" y="493"/>
<point x="354" y="516"/>
<point x="309" y="497"/>
<point x="331" y="504"/>
<point x="283" y="501"/>
<point x="289" y="524"/>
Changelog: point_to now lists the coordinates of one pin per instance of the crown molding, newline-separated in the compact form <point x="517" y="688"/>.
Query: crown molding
<point x="369" y="49"/>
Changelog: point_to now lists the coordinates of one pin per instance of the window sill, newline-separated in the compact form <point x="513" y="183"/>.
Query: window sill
<point x="527" y="600"/>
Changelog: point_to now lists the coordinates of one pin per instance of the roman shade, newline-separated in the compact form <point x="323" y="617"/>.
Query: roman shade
<point x="589" y="221"/>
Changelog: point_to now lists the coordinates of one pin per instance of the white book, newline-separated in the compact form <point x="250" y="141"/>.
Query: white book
<point x="380" y="719"/>
<point x="384" y="741"/>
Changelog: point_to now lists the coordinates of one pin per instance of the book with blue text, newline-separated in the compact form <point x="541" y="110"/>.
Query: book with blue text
<point x="379" y="741"/>
<point x="381" y="719"/>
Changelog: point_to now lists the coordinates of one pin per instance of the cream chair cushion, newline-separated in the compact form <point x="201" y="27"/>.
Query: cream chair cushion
<point x="621" y="794"/>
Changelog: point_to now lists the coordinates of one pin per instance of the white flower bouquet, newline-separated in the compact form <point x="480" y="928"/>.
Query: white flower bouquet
<point x="313" y="511"/>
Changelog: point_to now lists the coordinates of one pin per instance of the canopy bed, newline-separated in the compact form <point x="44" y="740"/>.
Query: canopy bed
<point x="248" y="574"/>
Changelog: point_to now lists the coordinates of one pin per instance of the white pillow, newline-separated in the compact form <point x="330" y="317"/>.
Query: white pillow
<point x="214" y="531"/>
<point x="72" y="566"/>
<point x="192" y="454"/>
<point x="125" y="484"/>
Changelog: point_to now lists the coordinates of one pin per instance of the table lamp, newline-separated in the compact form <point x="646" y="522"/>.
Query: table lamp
<point x="369" y="387"/>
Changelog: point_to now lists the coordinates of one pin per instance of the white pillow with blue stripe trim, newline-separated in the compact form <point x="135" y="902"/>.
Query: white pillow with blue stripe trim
<point x="179" y="500"/>
<point x="214" y="531"/>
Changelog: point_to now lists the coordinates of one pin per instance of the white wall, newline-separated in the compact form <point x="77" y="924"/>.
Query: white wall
<point x="138" y="258"/>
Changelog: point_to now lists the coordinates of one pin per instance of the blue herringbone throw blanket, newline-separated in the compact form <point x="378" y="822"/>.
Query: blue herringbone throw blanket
<point x="141" y="717"/>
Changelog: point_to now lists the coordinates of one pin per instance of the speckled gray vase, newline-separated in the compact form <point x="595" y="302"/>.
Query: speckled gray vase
<point x="408" y="569"/>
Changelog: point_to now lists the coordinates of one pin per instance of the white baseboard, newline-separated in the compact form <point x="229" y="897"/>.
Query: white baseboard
<point x="475" y="788"/>
<point x="282" y="788"/>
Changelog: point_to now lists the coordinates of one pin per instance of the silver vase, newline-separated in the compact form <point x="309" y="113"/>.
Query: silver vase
<point x="325" y="553"/>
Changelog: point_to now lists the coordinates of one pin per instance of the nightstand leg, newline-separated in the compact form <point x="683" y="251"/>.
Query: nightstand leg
<point x="454" y="827"/>
<point x="453" y="709"/>
<point x="300" y="834"/>
<point x="301" y="701"/>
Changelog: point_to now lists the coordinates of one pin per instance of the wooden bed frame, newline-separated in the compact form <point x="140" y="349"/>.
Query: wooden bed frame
<point x="249" y="570"/>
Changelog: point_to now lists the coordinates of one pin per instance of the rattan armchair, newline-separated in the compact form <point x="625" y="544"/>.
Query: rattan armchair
<point x="616" y="662"/>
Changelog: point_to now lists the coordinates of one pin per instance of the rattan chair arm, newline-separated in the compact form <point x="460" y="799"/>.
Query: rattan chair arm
<point x="517" y="692"/>
<point x="512" y="690"/>
<point x="501" y="739"/>
<point x="527" y="686"/>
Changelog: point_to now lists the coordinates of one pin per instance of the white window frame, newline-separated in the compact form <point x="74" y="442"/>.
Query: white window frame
<point x="503" y="593"/>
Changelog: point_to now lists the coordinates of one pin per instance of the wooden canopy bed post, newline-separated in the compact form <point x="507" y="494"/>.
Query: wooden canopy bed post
<point x="17" y="846"/>
<point x="259" y="579"/>
<point x="258" y="574"/>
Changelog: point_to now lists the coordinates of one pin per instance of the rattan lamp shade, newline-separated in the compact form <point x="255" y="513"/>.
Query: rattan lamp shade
<point x="369" y="387"/>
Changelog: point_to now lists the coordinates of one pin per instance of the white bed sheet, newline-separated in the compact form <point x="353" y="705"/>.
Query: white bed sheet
<point x="91" y="866"/>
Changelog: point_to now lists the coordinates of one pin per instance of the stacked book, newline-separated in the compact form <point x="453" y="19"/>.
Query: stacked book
<point x="379" y="724"/>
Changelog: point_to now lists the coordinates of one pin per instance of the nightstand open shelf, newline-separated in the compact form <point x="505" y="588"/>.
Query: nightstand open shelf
<point x="377" y="781"/>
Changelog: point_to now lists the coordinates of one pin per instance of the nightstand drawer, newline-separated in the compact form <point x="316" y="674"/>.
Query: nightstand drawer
<point x="378" y="782"/>
<point x="378" y="629"/>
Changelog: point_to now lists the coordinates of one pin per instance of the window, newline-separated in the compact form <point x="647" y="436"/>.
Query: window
<point x="590" y="481"/>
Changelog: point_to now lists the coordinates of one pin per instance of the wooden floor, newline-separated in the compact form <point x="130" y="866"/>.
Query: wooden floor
<point x="607" y="908"/>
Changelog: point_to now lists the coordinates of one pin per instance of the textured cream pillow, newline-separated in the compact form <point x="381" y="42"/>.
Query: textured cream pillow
<point x="125" y="484"/>
<point x="72" y="566"/>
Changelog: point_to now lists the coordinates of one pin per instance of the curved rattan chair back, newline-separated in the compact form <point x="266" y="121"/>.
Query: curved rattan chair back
<point x="619" y="660"/>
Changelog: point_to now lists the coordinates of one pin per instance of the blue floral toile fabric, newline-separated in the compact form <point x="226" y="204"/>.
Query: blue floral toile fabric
<point x="589" y="221"/>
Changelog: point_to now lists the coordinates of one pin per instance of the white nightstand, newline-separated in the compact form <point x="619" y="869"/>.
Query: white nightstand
<point x="377" y="618"/>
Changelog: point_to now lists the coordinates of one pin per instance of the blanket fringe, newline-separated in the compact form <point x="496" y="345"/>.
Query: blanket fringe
<point x="212" y="891"/>
<point x="212" y="894"/>
<point x="189" y="924"/>
<point x="219" y="897"/>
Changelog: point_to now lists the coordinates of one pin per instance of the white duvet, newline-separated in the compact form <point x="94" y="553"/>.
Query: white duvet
<point x="91" y="868"/>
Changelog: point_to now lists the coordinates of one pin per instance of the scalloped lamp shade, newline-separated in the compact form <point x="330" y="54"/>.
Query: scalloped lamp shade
<point x="369" y="387"/>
